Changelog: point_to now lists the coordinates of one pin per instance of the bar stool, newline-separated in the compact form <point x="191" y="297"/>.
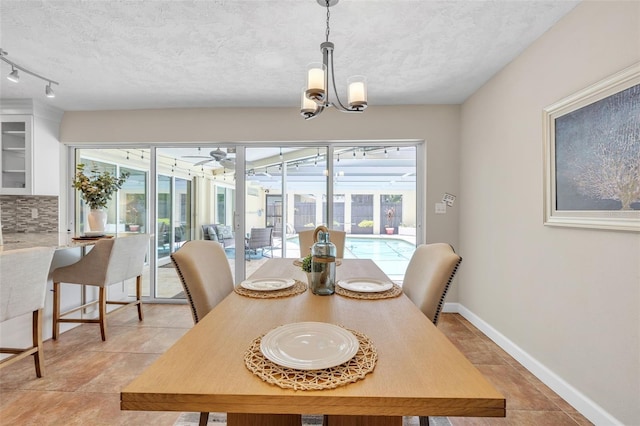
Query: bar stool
<point x="110" y="261"/>
<point x="23" y="287"/>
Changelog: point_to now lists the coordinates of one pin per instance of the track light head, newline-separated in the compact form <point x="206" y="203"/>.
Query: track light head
<point x="14" y="76"/>
<point x="49" y="91"/>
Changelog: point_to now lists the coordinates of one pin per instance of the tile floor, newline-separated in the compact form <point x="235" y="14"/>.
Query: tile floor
<point x="84" y="375"/>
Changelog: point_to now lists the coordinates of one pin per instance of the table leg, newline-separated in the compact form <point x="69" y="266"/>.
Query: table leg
<point x="334" y="420"/>
<point x="244" y="419"/>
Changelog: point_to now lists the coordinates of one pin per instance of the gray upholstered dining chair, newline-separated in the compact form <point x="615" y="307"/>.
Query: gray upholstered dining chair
<point x="23" y="287"/>
<point x="206" y="277"/>
<point x="109" y="262"/>
<point x="336" y="237"/>
<point x="428" y="277"/>
<point x="427" y="281"/>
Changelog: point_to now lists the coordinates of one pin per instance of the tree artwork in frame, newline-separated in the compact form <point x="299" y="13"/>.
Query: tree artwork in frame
<point x="592" y="156"/>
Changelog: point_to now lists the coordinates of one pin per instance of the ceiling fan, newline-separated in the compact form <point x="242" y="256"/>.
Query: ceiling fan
<point x="218" y="155"/>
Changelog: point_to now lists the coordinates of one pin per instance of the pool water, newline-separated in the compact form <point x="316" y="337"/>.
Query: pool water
<point x="392" y="255"/>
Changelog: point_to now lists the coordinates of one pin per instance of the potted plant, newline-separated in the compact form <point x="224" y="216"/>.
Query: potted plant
<point x="96" y="190"/>
<point x="364" y="227"/>
<point x="306" y="267"/>
<point x="390" y="214"/>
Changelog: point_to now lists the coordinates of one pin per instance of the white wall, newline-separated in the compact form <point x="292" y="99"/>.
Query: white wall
<point x="569" y="298"/>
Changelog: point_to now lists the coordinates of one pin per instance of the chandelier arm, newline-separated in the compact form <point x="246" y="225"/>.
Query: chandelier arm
<point x="23" y="69"/>
<point x="317" y="112"/>
<point x="339" y="106"/>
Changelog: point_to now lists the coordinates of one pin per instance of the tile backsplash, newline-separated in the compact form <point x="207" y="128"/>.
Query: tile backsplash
<point x="18" y="213"/>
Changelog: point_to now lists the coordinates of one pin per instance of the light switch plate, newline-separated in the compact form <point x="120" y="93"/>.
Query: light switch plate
<point x="441" y="208"/>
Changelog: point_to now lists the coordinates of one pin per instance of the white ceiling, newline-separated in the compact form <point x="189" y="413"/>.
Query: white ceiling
<point x="156" y="54"/>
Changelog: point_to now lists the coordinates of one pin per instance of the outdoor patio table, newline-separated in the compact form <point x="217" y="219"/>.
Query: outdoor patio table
<point x="418" y="371"/>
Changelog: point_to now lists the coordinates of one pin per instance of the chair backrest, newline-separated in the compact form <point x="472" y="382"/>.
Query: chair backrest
<point x="23" y="280"/>
<point x="205" y="274"/>
<point x="428" y="277"/>
<point x="260" y="237"/>
<point x="209" y="232"/>
<point x="127" y="257"/>
<point x="109" y="261"/>
<point x="336" y="237"/>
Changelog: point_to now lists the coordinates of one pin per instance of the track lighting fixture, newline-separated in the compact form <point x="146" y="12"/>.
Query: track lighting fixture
<point x="15" y="77"/>
<point x="48" y="91"/>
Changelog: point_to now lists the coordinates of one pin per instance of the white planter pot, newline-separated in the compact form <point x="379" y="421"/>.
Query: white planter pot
<point x="97" y="220"/>
<point x="404" y="230"/>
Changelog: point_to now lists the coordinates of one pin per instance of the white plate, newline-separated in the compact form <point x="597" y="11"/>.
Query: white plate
<point x="267" y="284"/>
<point x="309" y="345"/>
<point x="365" y="285"/>
<point x="94" y="234"/>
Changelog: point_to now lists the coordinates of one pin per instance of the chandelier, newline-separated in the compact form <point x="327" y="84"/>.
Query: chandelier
<point x="321" y="78"/>
<point x="15" y="77"/>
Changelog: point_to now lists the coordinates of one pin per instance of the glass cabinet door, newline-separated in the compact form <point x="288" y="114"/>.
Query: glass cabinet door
<point x="16" y="155"/>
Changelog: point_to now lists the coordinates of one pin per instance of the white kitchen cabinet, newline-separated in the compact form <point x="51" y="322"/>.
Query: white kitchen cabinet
<point x="30" y="153"/>
<point x="16" y="154"/>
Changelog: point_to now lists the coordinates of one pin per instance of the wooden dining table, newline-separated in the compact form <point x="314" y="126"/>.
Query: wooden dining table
<point x="418" y="372"/>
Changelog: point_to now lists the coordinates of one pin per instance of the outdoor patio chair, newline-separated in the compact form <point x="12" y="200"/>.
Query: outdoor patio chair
<point x="259" y="239"/>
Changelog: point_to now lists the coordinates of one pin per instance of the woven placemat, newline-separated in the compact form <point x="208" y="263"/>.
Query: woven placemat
<point x="328" y="378"/>
<point x="394" y="291"/>
<point x="298" y="288"/>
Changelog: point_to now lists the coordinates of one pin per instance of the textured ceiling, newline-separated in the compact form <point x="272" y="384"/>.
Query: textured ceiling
<point x="157" y="54"/>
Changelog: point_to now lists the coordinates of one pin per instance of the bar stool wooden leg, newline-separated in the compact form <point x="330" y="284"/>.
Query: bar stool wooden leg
<point x="38" y="356"/>
<point x="56" y="310"/>
<point x="103" y="312"/>
<point x="139" y="296"/>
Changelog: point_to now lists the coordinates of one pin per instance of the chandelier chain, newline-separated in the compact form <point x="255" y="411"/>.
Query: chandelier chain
<point x="328" y="16"/>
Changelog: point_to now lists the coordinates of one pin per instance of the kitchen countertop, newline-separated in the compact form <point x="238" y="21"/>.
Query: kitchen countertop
<point x="60" y="240"/>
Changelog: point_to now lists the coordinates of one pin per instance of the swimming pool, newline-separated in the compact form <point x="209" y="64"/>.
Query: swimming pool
<point x="391" y="254"/>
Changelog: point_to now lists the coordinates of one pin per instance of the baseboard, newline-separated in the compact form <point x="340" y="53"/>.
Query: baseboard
<point x="579" y="401"/>
<point x="452" y="308"/>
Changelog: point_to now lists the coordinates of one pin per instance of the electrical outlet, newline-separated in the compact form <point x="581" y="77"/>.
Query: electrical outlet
<point x="34" y="213"/>
<point x="441" y="208"/>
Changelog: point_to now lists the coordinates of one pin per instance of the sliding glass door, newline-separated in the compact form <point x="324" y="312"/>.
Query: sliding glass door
<point x="368" y="190"/>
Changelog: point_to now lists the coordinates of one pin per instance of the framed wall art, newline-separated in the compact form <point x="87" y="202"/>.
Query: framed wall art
<point x="592" y="156"/>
